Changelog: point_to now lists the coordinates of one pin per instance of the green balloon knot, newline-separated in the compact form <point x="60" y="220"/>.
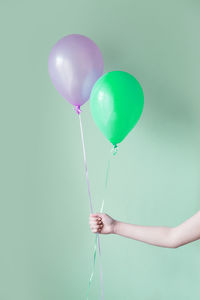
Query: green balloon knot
<point x="115" y="149"/>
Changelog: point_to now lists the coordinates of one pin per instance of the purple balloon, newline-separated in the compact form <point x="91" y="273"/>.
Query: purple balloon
<point x="75" y="63"/>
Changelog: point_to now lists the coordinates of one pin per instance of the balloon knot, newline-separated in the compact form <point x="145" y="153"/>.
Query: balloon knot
<point x="77" y="109"/>
<point x="114" y="149"/>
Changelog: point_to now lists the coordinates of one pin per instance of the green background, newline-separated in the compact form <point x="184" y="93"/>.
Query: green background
<point x="46" y="243"/>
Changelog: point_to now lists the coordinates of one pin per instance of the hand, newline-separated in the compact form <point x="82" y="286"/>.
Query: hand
<point x="102" y="223"/>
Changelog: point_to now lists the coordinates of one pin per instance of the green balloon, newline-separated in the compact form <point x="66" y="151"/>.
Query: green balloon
<point x="116" y="104"/>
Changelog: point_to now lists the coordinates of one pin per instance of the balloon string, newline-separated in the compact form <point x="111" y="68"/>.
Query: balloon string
<point x="91" y="276"/>
<point x="85" y="163"/>
<point x="114" y="152"/>
<point x="77" y="109"/>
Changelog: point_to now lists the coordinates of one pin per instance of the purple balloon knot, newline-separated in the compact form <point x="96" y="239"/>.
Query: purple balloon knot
<point x="77" y="109"/>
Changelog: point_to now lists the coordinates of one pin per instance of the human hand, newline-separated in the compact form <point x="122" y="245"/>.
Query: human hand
<point x="102" y="223"/>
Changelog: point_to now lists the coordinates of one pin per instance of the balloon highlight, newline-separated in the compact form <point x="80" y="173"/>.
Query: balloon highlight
<point x="75" y="63"/>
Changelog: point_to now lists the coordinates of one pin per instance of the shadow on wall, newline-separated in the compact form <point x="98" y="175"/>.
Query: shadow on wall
<point x="167" y="111"/>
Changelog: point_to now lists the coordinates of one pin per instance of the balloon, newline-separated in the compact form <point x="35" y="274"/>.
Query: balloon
<point x="75" y="63"/>
<point x="116" y="104"/>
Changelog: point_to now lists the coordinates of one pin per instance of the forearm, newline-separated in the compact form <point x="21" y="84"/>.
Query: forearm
<point x="168" y="237"/>
<point x="154" y="235"/>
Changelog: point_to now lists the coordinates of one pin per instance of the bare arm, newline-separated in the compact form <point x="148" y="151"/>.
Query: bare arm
<point x="169" y="237"/>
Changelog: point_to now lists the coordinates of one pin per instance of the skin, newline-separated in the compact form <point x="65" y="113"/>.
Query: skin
<point x="161" y="236"/>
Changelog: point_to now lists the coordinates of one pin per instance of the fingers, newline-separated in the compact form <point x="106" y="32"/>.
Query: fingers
<point x="96" y="223"/>
<point x="96" y="228"/>
<point x="95" y="216"/>
<point x="97" y="220"/>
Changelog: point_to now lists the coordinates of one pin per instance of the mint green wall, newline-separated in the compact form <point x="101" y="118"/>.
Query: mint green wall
<point x="46" y="244"/>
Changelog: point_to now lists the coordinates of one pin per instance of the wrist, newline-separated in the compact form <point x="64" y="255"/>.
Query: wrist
<point x="115" y="226"/>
